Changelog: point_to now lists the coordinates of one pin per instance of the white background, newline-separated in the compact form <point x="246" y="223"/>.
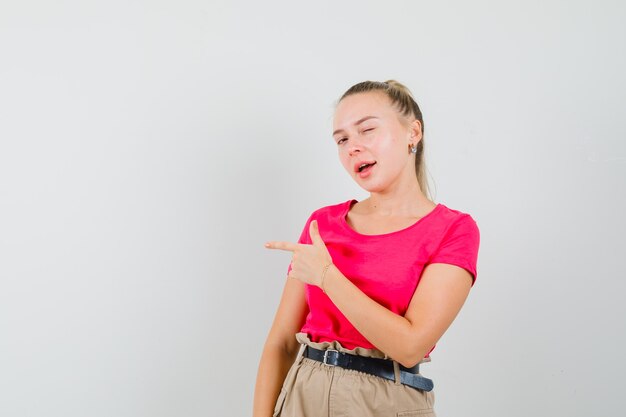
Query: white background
<point x="148" y="149"/>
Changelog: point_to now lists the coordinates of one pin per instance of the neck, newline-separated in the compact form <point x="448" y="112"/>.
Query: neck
<point x="401" y="201"/>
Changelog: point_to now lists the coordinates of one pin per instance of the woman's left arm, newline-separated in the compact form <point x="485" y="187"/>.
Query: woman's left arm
<point x="442" y="291"/>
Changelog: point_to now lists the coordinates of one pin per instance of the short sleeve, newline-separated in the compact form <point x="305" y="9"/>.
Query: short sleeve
<point x="304" y="237"/>
<point x="459" y="246"/>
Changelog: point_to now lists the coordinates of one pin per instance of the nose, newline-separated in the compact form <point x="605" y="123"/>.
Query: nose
<point x="355" y="147"/>
<point x="354" y="150"/>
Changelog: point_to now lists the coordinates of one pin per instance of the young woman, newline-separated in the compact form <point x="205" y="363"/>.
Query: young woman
<point x="373" y="284"/>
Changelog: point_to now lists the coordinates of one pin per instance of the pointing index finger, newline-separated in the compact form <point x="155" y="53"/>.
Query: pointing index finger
<point x="288" y="246"/>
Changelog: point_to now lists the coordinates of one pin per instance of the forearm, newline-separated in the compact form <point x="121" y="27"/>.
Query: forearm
<point x="389" y="332"/>
<point x="273" y="367"/>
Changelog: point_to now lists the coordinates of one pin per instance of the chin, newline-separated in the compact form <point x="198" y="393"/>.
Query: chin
<point x="373" y="188"/>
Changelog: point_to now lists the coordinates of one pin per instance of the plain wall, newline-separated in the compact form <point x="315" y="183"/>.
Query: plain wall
<point x="148" y="149"/>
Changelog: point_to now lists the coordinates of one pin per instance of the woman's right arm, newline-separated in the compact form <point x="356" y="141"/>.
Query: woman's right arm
<point x="281" y="347"/>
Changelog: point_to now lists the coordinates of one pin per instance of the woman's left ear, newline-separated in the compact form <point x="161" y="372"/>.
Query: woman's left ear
<point x="416" y="130"/>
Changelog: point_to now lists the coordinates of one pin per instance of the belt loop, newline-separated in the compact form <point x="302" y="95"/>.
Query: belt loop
<point x="300" y="353"/>
<point x="396" y="372"/>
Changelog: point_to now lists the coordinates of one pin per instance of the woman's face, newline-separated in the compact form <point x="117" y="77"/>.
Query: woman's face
<point x="368" y="130"/>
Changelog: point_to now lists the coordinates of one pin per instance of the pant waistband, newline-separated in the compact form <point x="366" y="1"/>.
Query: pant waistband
<point x="379" y="367"/>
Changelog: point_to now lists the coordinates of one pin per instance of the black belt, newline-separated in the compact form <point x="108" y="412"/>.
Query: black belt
<point x="373" y="366"/>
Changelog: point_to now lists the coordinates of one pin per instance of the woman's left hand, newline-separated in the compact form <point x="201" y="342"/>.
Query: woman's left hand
<point x="308" y="261"/>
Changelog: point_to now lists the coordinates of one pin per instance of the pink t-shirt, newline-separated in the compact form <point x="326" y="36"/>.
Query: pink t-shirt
<point x="386" y="267"/>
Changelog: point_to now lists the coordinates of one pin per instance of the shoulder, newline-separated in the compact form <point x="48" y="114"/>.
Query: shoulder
<point x="458" y="240"/>
<point x="456" y="228"/>
<point x="449" y="218"/>
<point x="327" y="217"/>
<point x="452" y="227"/>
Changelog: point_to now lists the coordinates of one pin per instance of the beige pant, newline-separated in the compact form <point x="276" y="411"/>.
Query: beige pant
<point x="312" y="389"/>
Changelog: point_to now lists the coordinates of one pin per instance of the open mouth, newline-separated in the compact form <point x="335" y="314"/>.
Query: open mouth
<point x="363" y="167"/>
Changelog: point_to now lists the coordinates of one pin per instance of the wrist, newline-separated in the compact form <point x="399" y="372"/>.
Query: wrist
<point x="324" y="274"/>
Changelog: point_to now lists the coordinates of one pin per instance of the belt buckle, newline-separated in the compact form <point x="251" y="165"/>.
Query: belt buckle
<point x="325" y="359"/>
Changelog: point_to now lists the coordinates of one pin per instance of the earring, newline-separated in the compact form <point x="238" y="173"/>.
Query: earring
<point x="414" y="149"/>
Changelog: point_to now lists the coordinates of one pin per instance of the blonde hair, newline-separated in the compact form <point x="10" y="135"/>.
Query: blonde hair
<point x="403" y="100"/>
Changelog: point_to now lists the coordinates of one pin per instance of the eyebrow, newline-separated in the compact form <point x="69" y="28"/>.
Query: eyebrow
<point x="358" y="122"/>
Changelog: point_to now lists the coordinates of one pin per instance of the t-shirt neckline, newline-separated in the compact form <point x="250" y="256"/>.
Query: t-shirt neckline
<point x="348" y="206"/>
